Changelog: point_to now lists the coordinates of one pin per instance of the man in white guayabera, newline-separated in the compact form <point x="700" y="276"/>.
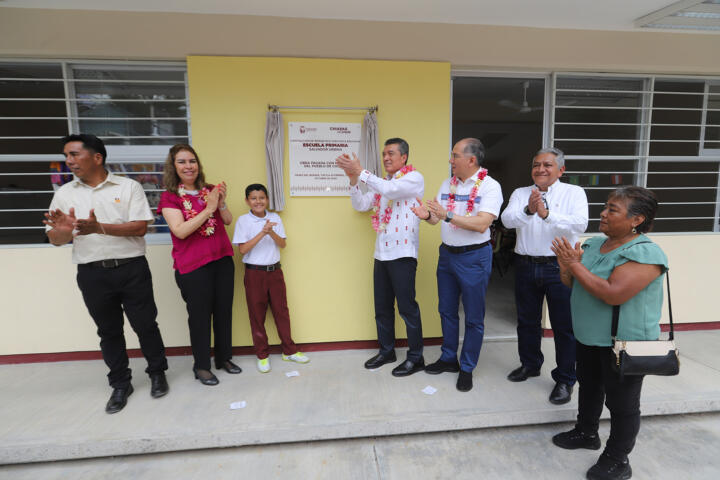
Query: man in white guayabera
<point x="396" y="248"/>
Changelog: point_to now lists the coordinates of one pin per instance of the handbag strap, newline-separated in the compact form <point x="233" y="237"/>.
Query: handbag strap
<point x="616" y="313"/>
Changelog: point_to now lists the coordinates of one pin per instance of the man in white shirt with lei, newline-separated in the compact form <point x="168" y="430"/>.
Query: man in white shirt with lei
<point x="539" y="213"/>
<point x="466" y="204"/>
<point x="396" y="249"/>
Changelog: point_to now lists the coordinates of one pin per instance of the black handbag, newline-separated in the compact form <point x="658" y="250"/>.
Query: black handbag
<point x="645" y="357"/>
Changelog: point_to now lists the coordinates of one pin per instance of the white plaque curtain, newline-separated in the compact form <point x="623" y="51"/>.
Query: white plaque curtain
<point x="369" y="147"/>
<point x="274" y="152"/>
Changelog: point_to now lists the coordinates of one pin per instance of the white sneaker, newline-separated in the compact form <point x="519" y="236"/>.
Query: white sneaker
<point x="298" y="357"/>
<point x="263" y="365"/>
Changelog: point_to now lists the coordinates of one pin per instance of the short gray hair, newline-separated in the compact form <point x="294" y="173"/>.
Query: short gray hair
<point x="474" y="148"/>
<point x="559" y="155"/>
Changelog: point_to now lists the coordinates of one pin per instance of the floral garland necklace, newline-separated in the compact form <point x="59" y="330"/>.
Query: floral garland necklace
<point x="380" y="225"/>
<point x="471" y="198"/>
<point x="208" y="228"/>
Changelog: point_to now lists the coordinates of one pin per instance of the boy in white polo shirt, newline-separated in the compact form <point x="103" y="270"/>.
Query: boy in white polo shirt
<point x="259" y="236"/>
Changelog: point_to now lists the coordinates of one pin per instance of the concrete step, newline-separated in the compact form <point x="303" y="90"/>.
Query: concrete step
<point x="55" y="411"/>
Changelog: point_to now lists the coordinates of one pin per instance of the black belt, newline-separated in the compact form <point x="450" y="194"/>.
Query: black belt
<point x="531" y="259"/>
<point x="464" y="248"/>
<point x="112" y="262"/>
<point x="265" y="268"/>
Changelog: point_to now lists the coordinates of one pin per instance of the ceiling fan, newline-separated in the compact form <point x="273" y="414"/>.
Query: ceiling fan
<point x="524" y="107"/>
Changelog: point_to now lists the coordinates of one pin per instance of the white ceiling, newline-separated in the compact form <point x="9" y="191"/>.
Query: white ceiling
<point x="576" y="14"/>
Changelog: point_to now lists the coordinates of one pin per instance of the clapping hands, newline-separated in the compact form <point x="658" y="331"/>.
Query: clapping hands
<point x="267" y="228"/>
<point x="565" y="252"/>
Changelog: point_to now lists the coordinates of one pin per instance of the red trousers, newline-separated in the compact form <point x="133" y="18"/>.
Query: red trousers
<point x="263" y="288"/>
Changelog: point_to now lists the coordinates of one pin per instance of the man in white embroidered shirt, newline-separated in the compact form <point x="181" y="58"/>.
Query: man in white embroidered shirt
<point x="396" y="249"/>
<point x="539" y="213"/>
<point x="467" y="204"/>
<point x="106" y="217"/>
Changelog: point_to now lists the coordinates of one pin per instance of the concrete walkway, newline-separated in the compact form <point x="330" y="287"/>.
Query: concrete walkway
<point x="668" y="448"/>
<point x="55" y="411"/>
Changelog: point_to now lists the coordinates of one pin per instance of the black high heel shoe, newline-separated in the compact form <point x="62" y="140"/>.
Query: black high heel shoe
<point x="229" y="367"/>
<point x="211" y="380"/>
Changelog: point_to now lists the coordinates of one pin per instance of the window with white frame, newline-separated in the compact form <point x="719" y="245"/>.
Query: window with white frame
<point x="139" y="109"/>
<point x="658" y="132"/>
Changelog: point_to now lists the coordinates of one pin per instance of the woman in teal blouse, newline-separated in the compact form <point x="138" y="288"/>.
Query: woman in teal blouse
<point x="625" y="268"/>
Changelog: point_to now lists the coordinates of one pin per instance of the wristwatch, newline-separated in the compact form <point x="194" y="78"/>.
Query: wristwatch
<point x="449" y="216"/>
<point x="527" y="211"/>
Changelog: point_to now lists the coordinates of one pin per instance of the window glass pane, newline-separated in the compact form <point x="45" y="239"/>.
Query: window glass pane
<point x="684" y="189"/>
<point x="150" y="177"/>
<point x="125" y="105"/>
<point x="129" y="91"/>
<point x="599" y="177"/>
<point x="30" y="89"/>
<point x="132" y="73"/>
<point x="683" y="105"/>
<point x="712" y="131"/>
<point x="103" y="106"/>
<point x="598" y="116"/>
<point x="31" y="146"/>
<point x="30" y="70"/>
<point x="133" y="128"/>
<point x="33" y="128"/>
<point x="32" y="108"/>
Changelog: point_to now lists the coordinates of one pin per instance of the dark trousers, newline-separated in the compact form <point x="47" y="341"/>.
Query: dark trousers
<point x="465" y="274"/>
<point x="395" y="280"/>
<point x="263" y="288"/>
<point x="598" y="383"/>
<point x="533" y="282"/>
<point x="107" y="293"/>
<point x="208" y="294"/>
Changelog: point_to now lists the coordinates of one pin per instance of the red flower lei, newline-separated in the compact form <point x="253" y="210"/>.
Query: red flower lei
<point x="208" y="228"/>
<point x="471" y="198"/>
<point x="377" y="224"/>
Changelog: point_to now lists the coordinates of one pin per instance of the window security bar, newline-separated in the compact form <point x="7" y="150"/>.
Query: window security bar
<point x="608" y="124"/>
<point x="90" y="80"/>
<point x="672" y="109"/>
<point x="27" y="192"/>
<point x="113" y="100"/>
<point x="100" y="119"/>
<point x="70" y="173"/>
<point x="633" y="91"/>
<point x="104" y="137"/>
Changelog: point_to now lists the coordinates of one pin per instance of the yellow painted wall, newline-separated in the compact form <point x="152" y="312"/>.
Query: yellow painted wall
<point x="329" y="258"/>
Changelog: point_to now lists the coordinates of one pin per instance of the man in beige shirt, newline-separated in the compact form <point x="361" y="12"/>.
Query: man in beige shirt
<point x="106" y="216"/>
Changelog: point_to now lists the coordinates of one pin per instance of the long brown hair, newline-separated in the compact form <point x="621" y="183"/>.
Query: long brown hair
<point x="170" y="176"/>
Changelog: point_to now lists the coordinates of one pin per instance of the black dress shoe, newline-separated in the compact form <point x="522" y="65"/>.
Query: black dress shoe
<point x="118" y="399"/>
<point x="608" y="468"/>
<point x="206" y="377"/>
<point x="521" y="374"/>
<point x="440" y="367"/>
<point x="408" y="368"/>
<point x="158" y="385"/>
<point x="229" y="367"/>
<point x="464" y="381"/>
<point x="561" y="393"/>
<point x="575" y="439"/>
<point x="379" y="360"/>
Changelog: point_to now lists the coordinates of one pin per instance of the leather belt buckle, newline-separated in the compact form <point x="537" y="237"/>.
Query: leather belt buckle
<point x="111" y="263"/>
<point x="270" y="268"/>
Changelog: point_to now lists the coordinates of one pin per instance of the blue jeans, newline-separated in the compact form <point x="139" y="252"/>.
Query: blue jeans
<point x="533" y="282"/>
<point x="467" y="274"/>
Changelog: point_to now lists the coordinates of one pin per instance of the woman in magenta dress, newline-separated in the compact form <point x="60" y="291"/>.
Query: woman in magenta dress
<point x="196" y="213"/>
